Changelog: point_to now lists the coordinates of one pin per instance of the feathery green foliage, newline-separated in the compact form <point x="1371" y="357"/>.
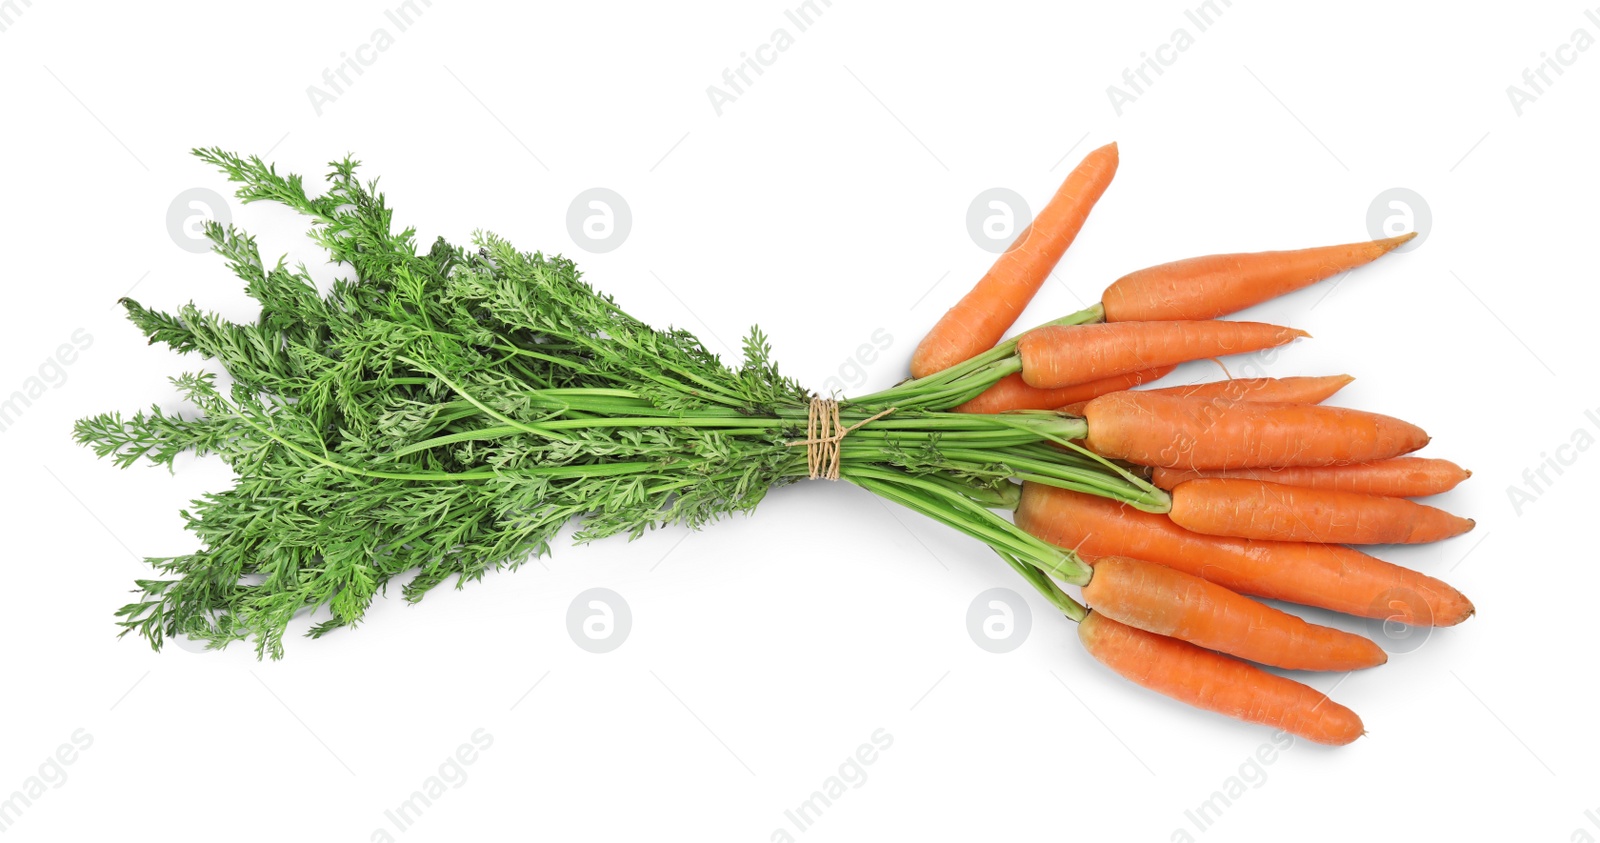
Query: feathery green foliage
<point x="447" y="412"/>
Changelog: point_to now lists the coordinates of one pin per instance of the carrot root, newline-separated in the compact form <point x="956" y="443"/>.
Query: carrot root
<point x="1216" y="285"/>
<point x="1254" y="509"/>
<point x="1011" y="393"/>
<point x="982" y="316"/>
<point x="1194" y="433"/>
<point x="1401" y="477"/>
<point x="1283" y="390"/>
<point x="1168" y="602"/>
<point x="1327" y="576"/>
<point x="1062" y="355"/>
<point x="1217" y="683"/>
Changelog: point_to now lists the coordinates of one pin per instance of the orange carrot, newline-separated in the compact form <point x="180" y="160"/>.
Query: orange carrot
<point x="1215" y="682"/>
<point x="1207" y="433"/>
<point x="982" y="316"/>
<point x="1158" y="599"/>
<point x="1323" y="575"/>
<point x="1253" y="509"/>
<point x="1216" y="285"/>
<point x="1061" y="355"/>
<point x="1281" y="390"/>
<point x="1010" y="393"/>
<point x="1299" y="390"/>
<point x="1402" y="477"/>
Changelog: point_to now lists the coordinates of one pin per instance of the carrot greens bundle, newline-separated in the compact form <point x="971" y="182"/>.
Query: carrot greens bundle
<point x="445" y="412"/>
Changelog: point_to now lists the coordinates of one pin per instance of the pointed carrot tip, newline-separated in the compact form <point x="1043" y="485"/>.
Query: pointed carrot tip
<point x="1339" y="382"/>
<point x="1460" y="617"/>
<point x="1389" y="244"/>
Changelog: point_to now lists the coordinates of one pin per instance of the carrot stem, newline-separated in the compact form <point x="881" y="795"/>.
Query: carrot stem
<point x="1053" y="474"/>
<point x="932" y="499"/>
<point x="971" y="372"/>
<point x="1046" y="586"/>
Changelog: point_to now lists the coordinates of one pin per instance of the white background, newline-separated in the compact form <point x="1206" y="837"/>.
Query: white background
<point x="825" y="203"/>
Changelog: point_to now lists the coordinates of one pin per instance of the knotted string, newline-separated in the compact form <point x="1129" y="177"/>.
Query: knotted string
<point x="824" y="432"/>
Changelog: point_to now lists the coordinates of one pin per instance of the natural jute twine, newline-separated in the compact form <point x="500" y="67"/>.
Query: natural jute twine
<point x="824" y="432"/>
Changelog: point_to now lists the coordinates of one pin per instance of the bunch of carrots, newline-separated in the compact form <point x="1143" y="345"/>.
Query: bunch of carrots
<point x="1268" y="488"/>
<point x="450" y="410"/>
